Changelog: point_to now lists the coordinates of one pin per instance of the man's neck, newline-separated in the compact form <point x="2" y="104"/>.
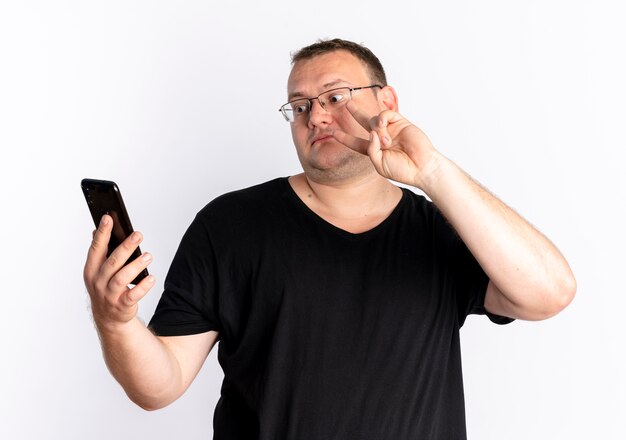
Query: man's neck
<point x="356" y="205"/>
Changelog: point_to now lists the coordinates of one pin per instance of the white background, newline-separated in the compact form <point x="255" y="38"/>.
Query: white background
<point x="177" y="102"/>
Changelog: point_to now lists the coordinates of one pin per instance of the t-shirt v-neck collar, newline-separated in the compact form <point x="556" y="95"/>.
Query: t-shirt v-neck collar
<point x="331" y="227"/>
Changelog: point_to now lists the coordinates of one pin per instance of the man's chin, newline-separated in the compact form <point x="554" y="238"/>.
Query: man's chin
<point x="330" y="155"/>
<point x="337" y="168"/>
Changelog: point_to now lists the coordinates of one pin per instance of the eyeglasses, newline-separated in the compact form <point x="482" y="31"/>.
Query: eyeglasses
<point x="330" y="100"/>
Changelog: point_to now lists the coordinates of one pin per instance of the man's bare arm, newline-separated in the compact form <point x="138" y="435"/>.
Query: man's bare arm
<point x="529" y="278"/>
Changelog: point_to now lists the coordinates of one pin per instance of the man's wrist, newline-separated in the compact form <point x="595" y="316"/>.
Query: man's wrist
<point x="432" y="174"/>
<point x="114" y="329"/>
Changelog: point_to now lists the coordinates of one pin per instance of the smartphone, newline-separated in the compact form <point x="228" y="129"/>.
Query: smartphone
<point x="104" y="197"/>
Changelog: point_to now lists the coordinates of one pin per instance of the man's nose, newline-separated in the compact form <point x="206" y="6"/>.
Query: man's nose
<point x="318" y="114"/>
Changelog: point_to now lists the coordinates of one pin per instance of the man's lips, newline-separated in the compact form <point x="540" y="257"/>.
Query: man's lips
<point x="321" y="137"/>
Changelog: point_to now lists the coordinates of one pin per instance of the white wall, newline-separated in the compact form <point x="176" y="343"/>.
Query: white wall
<point x="177" y="102"/>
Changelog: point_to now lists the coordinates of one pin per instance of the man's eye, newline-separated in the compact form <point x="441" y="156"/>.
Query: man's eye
<point x="336" y="98"/>
<point x="301" y="108"/>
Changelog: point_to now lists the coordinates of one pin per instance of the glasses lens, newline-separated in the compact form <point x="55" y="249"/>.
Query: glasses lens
<point x="296" y="109"/>
<point x="334" y="99"/>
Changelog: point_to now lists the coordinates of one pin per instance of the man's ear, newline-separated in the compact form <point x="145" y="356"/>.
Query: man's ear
<point x="388" y="98"/>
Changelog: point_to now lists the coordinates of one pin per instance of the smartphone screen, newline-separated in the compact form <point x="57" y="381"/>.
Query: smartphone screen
<point x="104" y="197"/>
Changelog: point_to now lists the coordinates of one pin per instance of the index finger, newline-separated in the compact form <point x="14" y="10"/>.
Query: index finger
<point x="366" y="121"/>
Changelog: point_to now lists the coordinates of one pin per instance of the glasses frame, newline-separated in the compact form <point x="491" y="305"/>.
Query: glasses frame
<point x="322" y="104"/>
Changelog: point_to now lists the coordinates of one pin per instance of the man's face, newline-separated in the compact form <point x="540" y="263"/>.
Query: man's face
<point x="321" y="156"/>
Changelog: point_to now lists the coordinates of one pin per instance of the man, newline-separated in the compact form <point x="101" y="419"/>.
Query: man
<point x="337" y="297"/>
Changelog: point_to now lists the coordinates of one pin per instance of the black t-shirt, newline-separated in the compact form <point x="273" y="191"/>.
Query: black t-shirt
<point x="326" y="334"/>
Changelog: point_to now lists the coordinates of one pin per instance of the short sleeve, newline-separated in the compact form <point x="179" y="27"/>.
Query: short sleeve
<point x="190" y="303"/>
<point x="469" y="280"/>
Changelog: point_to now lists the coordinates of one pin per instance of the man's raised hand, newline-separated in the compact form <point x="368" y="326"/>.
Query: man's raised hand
<point x="398" y="149"/>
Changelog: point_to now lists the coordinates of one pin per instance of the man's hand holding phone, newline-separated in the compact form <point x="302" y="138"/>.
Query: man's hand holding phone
<point x="154" y="371"/>
<point x="113" y="301"/>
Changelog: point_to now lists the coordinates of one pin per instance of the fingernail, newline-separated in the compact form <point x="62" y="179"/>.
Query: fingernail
<point x="135" y="237"/>
<point x="150" y="279"/>
<point x="146" y="257"/>
<point x="104" y="220"/>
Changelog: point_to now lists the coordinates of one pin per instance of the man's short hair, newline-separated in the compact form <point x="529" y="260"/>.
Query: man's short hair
<point x="375" y="68"/>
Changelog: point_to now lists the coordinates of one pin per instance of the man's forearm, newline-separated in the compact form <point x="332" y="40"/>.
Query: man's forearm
<point x="142" y="364"/>
<point x="522" y="263"/>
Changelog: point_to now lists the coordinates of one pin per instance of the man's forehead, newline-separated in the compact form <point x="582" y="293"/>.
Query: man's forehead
<point x="338" y="82"/>
<point x="324" y="71"/>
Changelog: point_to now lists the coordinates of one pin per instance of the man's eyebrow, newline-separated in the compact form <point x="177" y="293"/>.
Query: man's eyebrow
<point x="325" y="86"/>
<point x="333" y="83"/>
<point x="295" y="95"/>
